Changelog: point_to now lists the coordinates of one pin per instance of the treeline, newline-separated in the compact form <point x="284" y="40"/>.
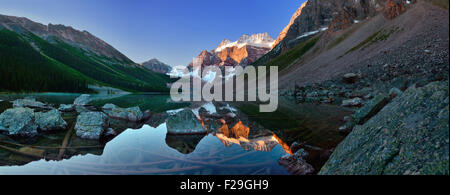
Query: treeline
<point x="23" y="69"/>
<point x="103" y="69"/>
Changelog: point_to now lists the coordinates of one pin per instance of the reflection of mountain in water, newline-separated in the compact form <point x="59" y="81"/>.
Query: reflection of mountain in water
<point x="230" y="128"/>
<point x="185" y="144"/>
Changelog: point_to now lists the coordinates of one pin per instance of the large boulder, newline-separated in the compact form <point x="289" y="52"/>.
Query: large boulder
<point x="30" y="103"/>
<point x="49" y="121"/>
<point x="133" y="114"/>
<point x="18" y="122"/>
<point x="184" y="122"/>
<point x="410" y="135"/>
<point x="91" y="125"/>
<point x="371" y="108"/>
<point x="83" y="100"/>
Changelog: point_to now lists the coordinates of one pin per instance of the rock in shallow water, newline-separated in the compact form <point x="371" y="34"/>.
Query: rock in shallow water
<point x="83" y="100"/>
<point x="133" y="114"/>
<point x="66" y="107"/>
<point x="410" y="135"/>
<point x="30" y="103"/>
<point x="18" y="121"/>
<point x="184" y="122"/>
<point x="91" y="125"/>
<point x="296" y="163"/>
<point x="49" y="121"/>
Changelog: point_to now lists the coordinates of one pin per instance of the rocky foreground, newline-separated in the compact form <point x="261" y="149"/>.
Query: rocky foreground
<point x="408" y="136"/>
<point x="29" y="117"/>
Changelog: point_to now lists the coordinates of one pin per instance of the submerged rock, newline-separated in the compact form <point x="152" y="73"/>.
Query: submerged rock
<point x="296" y="163"/>
<point x="18" y="121"/>
<point x="184" y="122"/>
<point x="30" y="103"/>
<point x="49" y="121"/>
<point x="408" y="136"/>
<point x="133" y="114"/>
<point x="91" y="125"/>
<point x="66" y="107"/>
<point x="83" y="100"/>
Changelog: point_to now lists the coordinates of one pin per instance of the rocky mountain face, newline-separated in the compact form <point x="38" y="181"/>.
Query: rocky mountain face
<point x="157" y="66"/>
<point x="81" y="39"/>
<point x="244" y="51"/>
<point x="333" y="15"/>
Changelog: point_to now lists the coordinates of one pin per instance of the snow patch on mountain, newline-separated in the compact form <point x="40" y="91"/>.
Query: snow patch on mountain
<point x="257" y="40"/>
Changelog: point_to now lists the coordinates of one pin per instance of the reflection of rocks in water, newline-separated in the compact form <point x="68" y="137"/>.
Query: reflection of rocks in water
<point x="184" y="122"/>
<point x="157" y="119"/>
<point x="183" y="143"/>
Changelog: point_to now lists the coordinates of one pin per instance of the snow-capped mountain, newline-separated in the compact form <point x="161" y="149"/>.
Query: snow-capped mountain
<point x="244" y="51"/>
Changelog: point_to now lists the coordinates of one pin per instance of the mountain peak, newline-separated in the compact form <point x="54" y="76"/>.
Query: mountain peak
<point x="157" y="66"/>
<point x="263" y="40"/>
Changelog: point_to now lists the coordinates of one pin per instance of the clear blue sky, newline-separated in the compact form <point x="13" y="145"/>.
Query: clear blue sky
<point x="173" y="31"/>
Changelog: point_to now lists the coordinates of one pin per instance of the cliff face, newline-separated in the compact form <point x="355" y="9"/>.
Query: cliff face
<point x="81" y="39"/>
<point x="334" y="15"/>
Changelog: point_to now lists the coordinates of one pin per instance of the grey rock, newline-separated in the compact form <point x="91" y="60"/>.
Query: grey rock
<point x="30" y="103"/>
<point x="133" y="114"/>
<point x="66" y="107"/>
<point x="18" y="121"/>
<point x="409" y="136"/>
<point x="370" y="109"/>
<point x="83" y="100"/>
<point x="394" y="92"/>
<point x="355" y="102"/>
<point x="296" y="163"/>
<point x="184" y="122"/>
<point x="49" y="121"/>
<point x="350" y="78"/>
<point x="91" y="125"/>
<point x="110" y="132"/>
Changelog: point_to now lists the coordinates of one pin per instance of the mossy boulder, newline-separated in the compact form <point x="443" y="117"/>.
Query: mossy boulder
<point x="408" y="136"/>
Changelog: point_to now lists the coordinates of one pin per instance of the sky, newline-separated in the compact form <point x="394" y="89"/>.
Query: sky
<point x="173" y="31"/>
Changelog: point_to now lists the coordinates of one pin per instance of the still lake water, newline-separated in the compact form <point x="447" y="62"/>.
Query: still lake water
<point x="250" y="143"/>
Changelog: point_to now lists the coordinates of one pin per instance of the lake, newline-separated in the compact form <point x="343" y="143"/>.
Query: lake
<point x="247" y="143"/>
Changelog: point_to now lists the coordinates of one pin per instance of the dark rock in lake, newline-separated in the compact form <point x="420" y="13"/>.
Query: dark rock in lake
<point x="409" y="136"/>
<point x="49" y="121"/>
<point x="296" y="163"/>
<point x="184" y="122"/>
<point x="295" y="147"/>
<point x="157" y="119"/>
<point x="18" y="121"/>
<point x="91" y="125"/>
